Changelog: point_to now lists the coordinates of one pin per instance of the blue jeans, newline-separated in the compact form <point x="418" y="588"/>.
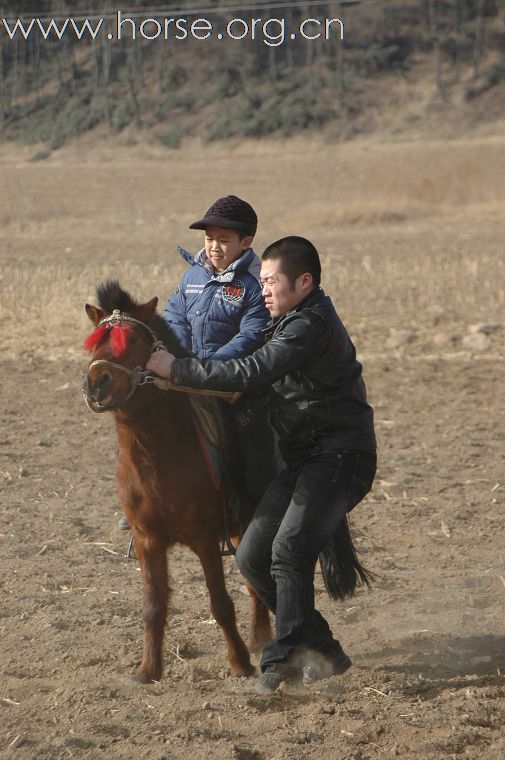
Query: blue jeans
<point x="293" y="522"/>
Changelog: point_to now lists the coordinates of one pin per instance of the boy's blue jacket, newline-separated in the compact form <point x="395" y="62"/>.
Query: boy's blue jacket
<point x="219" y="315"/>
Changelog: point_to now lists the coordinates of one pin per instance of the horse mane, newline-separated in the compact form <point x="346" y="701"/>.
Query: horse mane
<point x="110" y="296"/>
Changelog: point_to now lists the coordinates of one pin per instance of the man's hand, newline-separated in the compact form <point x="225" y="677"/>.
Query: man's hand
<point x="161" y="363"/>
<point x="234" y="398"/>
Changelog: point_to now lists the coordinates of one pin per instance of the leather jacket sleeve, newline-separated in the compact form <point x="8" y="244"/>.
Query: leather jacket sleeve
<point x="293" y="344"/>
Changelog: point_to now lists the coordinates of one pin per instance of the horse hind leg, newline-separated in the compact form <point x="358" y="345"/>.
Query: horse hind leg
<point x="152" y="555"/>
<point x="260" y="628"/>
<point x="222" y="606"/>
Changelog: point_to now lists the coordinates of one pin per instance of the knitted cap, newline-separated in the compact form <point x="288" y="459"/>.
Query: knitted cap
<point x="231" y="213"/>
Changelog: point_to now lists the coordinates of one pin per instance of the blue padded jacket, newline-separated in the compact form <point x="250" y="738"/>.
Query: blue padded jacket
<point x="219" y="315"/>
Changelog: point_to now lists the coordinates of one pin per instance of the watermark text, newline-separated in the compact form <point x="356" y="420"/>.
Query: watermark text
<point x="119" y="26"/>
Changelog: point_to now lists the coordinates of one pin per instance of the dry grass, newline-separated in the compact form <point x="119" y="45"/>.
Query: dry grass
<point x="401" y="227"/>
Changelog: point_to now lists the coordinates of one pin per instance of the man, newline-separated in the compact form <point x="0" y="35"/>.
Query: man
<point x="317" y="403"/>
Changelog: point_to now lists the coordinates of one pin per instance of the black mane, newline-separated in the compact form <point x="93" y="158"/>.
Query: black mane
<point x="110" y="296"/>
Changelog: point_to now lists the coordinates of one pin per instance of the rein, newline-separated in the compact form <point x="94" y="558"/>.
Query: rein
<point x="139" y="376"/>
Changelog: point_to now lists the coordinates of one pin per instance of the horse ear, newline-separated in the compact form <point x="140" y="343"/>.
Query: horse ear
<point x="148" y="310"/>
<point x="94" y="313"/>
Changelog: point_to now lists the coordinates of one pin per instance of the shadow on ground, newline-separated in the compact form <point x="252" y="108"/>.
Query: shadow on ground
<point x="446" y="661"/>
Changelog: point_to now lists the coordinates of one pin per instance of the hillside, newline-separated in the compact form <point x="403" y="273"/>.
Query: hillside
<point x="421" y="66"/>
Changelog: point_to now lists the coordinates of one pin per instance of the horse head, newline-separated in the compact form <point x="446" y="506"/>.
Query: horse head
<point x="125" y="335"/>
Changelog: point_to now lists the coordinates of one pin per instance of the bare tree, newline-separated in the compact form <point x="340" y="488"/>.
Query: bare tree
<point x="3" y="89"/>
<point x="106" y="64"/>
<point x="340" y="67"/>
<point x="437" y="46"/>
<point x="456" y="31"/>
<point x="479" y="36"/>
<point x="160" y="67"/>
<point x="132" y="69"/>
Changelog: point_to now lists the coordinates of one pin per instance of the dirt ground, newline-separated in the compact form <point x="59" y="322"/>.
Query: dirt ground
<point x="428" y="643"/>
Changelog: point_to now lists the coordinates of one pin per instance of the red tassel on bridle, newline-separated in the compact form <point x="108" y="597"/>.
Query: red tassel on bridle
<point x="119" y="338"/>
<point x="95" y="338"/>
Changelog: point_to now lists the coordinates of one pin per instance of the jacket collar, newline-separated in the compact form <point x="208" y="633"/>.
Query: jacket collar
<point x="243" y="263"/>
<point x="315" y="296"/>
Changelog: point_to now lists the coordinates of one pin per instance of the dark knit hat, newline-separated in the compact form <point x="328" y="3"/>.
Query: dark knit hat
<point x="230" y="212"/>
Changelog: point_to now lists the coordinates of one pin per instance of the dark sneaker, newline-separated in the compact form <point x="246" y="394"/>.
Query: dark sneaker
<point x="324" y="666"/>
<point x="123" y="523"/>
<point x="268" y="682"/>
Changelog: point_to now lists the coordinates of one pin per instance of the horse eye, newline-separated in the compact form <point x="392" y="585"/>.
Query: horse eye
<point x="133" y="339"/>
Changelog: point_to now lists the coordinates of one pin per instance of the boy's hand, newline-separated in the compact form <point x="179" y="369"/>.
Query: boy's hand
<point x="234" y="398"/>
<point x="161" y="363"/>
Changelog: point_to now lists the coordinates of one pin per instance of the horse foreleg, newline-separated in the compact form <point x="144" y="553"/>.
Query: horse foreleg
<point x="260" y="628"/>
<point x="222" y="607"/>
<point x="152" y="555"/>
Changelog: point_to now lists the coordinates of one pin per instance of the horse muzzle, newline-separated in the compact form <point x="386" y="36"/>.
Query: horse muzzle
<point x="101" y="392"/>
<point x="98" y="393"/>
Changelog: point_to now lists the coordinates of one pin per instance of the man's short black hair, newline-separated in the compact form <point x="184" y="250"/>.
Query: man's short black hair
<point x="297" y="256"/>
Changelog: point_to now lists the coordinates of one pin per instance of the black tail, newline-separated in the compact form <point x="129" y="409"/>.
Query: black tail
<point x="342" y="571"/>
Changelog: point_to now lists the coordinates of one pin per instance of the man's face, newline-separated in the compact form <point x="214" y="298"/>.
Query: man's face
<point x="279" y="294"/>
<point x="223" y="246"/>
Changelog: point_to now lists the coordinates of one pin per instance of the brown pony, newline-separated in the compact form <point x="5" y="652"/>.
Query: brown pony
<point x="163" y="482"/>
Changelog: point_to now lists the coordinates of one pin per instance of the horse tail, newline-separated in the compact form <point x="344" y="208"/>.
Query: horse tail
<point x="341" y="569"/>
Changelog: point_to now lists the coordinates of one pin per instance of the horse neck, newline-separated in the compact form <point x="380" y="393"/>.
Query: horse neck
<point x="159" y="414"/>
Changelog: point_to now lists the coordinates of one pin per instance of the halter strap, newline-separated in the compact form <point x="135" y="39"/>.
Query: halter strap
<point x="118" y="318"/>
<point x="138" y="375"/>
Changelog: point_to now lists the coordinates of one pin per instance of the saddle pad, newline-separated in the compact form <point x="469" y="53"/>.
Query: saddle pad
<point x="204" y="415"/>
<point x="208" y="438"/>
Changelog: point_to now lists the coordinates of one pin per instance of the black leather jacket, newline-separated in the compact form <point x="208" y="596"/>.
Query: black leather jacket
<point x="308" y="366"/>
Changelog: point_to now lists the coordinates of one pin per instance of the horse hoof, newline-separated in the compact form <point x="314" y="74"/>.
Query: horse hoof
<point x="142" y="677"/>
<point x="138" y="679"/>
<point x="245" y="672"/>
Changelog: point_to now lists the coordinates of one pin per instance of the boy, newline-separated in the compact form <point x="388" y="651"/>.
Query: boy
<point x="218" y="312"/>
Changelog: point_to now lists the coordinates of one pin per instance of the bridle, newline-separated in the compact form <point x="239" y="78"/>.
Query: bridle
<point x="137" y="376"/>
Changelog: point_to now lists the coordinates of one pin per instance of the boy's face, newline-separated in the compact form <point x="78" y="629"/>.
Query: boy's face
<point x="223" y="246"/>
